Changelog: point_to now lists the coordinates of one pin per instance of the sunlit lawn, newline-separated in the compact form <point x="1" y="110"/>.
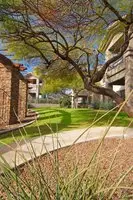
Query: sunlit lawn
<point x="57" y="119"/>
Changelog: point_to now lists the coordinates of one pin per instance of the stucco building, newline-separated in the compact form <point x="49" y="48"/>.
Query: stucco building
<point x="120" y="73"/>
<point x="13" y="92"/>
<point x="34" y="84"/>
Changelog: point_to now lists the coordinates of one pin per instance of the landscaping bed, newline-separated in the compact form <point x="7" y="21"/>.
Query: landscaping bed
<point x="63" y="165"/>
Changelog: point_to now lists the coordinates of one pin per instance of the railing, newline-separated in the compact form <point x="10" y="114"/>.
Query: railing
<point x="115" y="64"/>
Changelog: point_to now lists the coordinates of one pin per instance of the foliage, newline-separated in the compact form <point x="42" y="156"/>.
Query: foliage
<point x="107" y="105"/>
<point x="49" y="101"/>
<point x="65" y="102"/>
<point x="96" y="104"/>
<point x="58" y="77"/>
<point x="68" y="31"/>
<point x="103" y="105"/>
<point x="45" y="101"/>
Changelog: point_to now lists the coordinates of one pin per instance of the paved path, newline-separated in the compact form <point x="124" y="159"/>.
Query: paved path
<point x="40" y="145"/>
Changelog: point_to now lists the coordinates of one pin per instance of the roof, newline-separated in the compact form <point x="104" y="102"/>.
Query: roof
<point x="116" y="28"/>
<point x="83" y="93"/>
<point x="6" y="61"/>
<point x="19" y="66"/>
<point x="30" y="75"/>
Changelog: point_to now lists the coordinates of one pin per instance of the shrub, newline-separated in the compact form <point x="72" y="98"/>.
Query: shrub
<point x="107" y="105"/>
<point x="45" y="101"/>
<point x="103" y="105"/>
<point x="65" y="102"/>
<point x="50" y="101"/>
<point x="96" y="105"/>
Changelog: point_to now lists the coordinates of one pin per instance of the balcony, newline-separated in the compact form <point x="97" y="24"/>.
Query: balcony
<point x="32" y="88"/>
<point x="116" y="71"/>
<point x="116" y="64"/>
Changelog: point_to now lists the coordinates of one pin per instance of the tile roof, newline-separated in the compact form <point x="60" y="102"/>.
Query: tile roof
<point x="6" y="61"/>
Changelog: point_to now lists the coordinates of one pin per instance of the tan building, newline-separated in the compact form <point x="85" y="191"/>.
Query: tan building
<point x="13" y="92"/>
<point x="85" y="99"/>
<point x="120" y="73"/>
<point x="34" y="84"/>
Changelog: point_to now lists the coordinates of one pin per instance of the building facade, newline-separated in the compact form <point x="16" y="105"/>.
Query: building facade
<point x="13" y="92"/>
<point x="34" y="84"/>
<point x="120" y="73"/>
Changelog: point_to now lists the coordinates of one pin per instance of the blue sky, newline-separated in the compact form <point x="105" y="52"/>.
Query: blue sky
<point x="30" y="64"/>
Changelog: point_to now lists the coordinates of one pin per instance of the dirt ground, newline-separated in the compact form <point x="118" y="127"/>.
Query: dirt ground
<point x="79" y="156"/>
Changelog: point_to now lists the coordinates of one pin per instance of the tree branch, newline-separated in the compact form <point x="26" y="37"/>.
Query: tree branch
<point x="120" y="18"/>
<point x="99" y="75"/>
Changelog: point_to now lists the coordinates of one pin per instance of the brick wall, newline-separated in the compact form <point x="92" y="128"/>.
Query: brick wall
<point x="13" y="95"/>
<point x="5" y="94"/>
<point x="18" y="96"/>
<point x="22" y="98"/>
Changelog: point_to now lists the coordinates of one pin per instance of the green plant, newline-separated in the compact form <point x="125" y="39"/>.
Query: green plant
<point x="49" y="101"/>
<point x="103" y="105"/>
<point x="107" y="105"/>
<point x="65" y="102"/>
<point x="96" y="104"/>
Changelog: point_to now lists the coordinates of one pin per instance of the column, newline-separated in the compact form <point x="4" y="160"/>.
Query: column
<point x="37" y="90"/>
<point x="128" y="61"/>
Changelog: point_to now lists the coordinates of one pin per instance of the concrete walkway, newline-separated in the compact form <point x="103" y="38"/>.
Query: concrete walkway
<point x="43" y="144"/>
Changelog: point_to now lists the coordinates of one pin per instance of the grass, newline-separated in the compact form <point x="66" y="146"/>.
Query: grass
<point x="60" y="119"/>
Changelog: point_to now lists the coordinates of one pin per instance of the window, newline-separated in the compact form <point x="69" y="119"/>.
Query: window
<point x="33" y="81"/>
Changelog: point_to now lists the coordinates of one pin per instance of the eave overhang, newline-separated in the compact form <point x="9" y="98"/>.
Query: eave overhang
<point x="115" y="28"/>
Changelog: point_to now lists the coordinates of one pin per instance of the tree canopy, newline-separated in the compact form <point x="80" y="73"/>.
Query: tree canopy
<point x="68" y="30"/>
<point x="59" y="77"/>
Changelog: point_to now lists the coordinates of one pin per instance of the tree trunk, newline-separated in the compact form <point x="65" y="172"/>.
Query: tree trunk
<point x="75" y="102"/>
<point x="126" y="108"/>
<point x="113" y="95"/>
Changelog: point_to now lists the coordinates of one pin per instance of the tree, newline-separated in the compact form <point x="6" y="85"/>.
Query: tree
<point x="61" y="28"/>
<point x="59" y="78"/>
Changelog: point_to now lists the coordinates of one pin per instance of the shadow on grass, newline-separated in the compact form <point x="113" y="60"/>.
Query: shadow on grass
<point x="44" y="128"/>
<point x="50" y="116"/>
<point x="54" y="119"/>
<point x="50" y="127"/>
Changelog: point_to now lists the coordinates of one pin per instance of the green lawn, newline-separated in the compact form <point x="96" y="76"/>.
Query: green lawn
<point x="65" y="119"/>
